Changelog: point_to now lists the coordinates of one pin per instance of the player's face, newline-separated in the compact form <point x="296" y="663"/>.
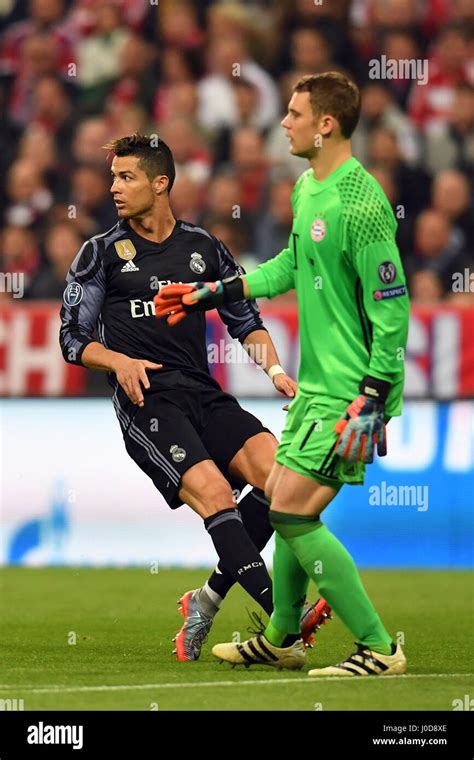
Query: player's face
<point x="132" y="190"/>
<point x="301" y="125"/>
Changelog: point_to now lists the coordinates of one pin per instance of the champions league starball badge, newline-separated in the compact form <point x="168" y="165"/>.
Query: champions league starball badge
<point x="387" y="272"/>
<point x="73" y="294"/>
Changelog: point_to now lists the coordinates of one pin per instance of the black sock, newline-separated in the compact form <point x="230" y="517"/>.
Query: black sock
<point x="290" y="639"/>
<point x="239" y="555"/>
<point x="254" y="511"/>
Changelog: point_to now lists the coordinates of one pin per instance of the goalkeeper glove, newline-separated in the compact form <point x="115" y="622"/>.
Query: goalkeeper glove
<point x="363" y="423"/>
<point x="179" y="300"/>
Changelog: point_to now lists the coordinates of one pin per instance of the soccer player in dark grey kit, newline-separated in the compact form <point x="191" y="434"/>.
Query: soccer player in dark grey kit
<point x="192" y="439"/>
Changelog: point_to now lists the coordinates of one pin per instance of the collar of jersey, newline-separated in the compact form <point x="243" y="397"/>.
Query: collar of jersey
<point x="130" y="231"/>
<point x="316" y="185"/>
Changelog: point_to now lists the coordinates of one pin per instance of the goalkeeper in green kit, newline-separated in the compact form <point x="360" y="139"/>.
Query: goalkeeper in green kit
<point x="353" y="307"/>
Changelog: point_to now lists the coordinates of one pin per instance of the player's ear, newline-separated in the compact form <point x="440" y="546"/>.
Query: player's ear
<point x="160" y="184"/>
<point x="327" y="125"/>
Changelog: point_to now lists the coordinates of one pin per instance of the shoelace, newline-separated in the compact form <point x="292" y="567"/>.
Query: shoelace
<point x="200" y="635"/>
<point x="362" y="651"/>
<point x="257" y="621"/>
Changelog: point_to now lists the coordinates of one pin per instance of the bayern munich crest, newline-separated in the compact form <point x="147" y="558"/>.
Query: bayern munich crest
<point x="318" y="230"/>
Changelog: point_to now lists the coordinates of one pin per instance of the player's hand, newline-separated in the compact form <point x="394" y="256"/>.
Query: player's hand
<point x="130" y="373"/>
<point x="286" y="385"/>
<point x="361" y="428"/>
<point x="169" y="302"/>
<point x="178" y="300"/>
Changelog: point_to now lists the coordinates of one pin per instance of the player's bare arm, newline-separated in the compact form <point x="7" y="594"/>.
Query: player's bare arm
<point x="130" y="373"/>
<point x="259" y="345"/>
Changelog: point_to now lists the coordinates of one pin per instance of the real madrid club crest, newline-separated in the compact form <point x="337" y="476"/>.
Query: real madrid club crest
<point x="318" y="230"/>
<point x="177" y="453"/>
<point x="125" y="249"/>
<point x="197" y="263"/>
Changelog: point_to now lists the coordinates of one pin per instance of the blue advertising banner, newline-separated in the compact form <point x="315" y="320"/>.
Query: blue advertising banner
<point x="71" y="495"/>
<point x="416" y="507"/>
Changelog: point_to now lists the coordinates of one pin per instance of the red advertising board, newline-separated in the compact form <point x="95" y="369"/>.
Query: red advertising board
<point x="31" y="363"/>
<point x="439" y="358"/>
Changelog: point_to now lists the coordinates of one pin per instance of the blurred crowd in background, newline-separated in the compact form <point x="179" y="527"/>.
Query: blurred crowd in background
<point x="213" y="79"/>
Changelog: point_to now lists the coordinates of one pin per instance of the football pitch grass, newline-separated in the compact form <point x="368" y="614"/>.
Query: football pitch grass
<point x="100" y="639"/>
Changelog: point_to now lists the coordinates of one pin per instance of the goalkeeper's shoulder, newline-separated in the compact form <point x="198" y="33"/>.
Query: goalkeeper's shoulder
<point x="367" y="214"/>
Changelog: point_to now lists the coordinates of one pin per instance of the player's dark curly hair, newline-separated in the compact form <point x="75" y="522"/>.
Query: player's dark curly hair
<point x="154" y="154"/>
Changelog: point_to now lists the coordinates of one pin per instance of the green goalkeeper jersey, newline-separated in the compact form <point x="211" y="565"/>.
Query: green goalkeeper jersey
<point x="353" y="305"/>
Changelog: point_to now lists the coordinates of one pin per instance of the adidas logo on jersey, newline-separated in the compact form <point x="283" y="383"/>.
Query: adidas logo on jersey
<point x="130" y="267"/>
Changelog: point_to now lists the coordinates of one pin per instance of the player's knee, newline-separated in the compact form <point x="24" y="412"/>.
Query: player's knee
<point x="254" y="462"/>
<point x="260" y="470"/>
